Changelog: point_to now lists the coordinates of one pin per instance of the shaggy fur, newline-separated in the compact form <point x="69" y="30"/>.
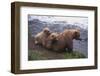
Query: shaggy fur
<point x="59" y="42"/>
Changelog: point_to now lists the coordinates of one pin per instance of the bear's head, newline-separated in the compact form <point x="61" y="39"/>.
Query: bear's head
<point x="76" y="34"/>
<point x="47" y="31"/>
<point x="54" y="36"/>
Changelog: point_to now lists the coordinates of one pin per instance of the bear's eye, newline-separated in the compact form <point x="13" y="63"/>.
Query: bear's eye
<point x="46" y="31"/>
<point x="53" y="36"/>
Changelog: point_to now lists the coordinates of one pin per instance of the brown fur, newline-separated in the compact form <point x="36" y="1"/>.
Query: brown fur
<point x="41" y="36"/>
<point x="61" y="41"/>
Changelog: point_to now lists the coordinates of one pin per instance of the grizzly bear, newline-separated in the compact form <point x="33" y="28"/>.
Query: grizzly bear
<point x="62" y="41"/>
<point x="52" y="38"/>
<point x="41" y="36"/>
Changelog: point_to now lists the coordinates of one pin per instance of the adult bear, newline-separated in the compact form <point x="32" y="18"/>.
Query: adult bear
<point x="41" y="36"/>
<point x="61" y="41"/>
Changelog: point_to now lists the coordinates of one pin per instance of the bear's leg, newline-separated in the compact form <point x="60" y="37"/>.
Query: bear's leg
<point x="70" y="50"/>
<point x="70" y="47"/>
